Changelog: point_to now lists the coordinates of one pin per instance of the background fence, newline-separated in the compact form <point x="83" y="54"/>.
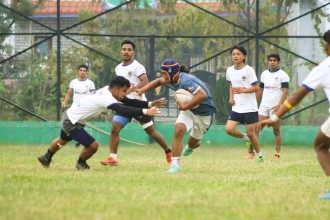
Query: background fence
<point x="43" y="42"/>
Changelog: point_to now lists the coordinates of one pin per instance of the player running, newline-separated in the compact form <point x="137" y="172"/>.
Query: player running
<point x="198" y="119"/>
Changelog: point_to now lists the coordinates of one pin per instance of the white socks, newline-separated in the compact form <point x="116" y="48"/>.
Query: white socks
<point x="114" y="156"/>
<point x="245" y="137"/>
<point x="176" y="160"/>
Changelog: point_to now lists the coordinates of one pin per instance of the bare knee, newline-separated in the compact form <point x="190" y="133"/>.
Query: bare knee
<point x="276" y="132"/>
<point x="94" y="146"/>
<point x="115" y="129"/>
<point x="179" y="132"/>
<point x="230" y="131"/>
<point x="151" y="131"/>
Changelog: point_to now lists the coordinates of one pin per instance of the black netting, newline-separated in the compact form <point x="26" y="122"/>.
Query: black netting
<point x="36" y="67"/>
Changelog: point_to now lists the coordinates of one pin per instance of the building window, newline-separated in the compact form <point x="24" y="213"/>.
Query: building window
<point x="43" y="49"/>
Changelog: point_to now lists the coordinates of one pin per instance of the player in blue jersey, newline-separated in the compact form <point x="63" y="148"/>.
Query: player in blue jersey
<point x="198" y="119"/>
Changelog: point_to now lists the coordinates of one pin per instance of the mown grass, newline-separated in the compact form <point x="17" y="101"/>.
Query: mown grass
<point x="214" y="183"/>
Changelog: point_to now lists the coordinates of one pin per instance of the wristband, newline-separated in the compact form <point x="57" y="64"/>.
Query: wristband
<point x="274" y="118"/>
<point x="287" y="104"/>
<point x="145" y="111"/>
<point x="149" y="104"/>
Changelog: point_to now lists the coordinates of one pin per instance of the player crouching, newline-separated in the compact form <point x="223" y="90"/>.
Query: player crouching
<point x="73" y="120"/>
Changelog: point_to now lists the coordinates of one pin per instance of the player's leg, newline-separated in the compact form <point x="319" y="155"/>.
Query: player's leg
<point x="322" y="146"/>
<point x="177" y="146"/>
<point x="118" y="123"/>
<point x="90" y="147"/>
<point x="201" y="124"/>
<point x="231" y="129"/>
<point x="183" y="124"/>
<point x="250" y="119"/>
<point x="234" y="120"/>
<point x="150" y="129"/>
<point x="278" y="139"/>
<point x="55" y="145"/>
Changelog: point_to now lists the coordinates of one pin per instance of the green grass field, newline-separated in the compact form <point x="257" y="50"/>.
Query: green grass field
<point x="214" y="183"/>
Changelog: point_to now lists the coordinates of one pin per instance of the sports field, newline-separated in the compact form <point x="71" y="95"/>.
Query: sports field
<point x="214" y="183"/>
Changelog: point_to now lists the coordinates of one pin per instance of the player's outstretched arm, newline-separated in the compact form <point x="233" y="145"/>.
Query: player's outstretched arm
<point x="134" y="112"/>
<point x="159" y="102"/>
<point x="292" y="101"/>
<point x="151" y="85"/>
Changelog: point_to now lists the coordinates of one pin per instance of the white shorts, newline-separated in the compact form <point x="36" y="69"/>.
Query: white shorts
<point x="325" y="128"/>
<point x="266" y="111"/>
<point x="199" y="124"/>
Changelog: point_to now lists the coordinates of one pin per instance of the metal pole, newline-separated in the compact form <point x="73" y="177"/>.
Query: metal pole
<point x="152" y="56"/>
<point x="58" y="34"/>
<point x="257" y="39"/>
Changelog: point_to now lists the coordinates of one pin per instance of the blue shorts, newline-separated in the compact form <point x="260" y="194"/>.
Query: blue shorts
<point x="124" y="120"/>
<point x="244" y="118"/>
<point x="79" y="135"/>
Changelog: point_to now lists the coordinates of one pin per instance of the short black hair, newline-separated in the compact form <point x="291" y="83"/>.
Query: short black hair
<point x="83" y="66"/>
<point x="275" y="55"/>
<point x="326" y="37"/>
<point x="119" y="81"/>
<point x="240" y="48"/>
<point x="128" y="42"/>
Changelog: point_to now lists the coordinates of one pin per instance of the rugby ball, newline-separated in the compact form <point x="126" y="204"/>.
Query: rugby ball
<point x="183" y="96"/>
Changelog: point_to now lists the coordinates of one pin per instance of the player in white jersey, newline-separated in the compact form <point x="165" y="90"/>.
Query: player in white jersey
<point x="136" y="74"/>
<point x="274" y="85"/>
<point x="80" y="86"/>
<point x="74" y="119"/>
<point x="319" y="77"/>
<point x="243" y="86"/>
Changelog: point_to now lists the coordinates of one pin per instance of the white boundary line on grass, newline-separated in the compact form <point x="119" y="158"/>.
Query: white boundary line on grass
<point x="104" y="132"/>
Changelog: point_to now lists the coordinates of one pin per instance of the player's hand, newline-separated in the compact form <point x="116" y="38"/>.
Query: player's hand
<point x="63" y="105"/>
<point x="153" y="111"/>
<point x="267" y="122"/>
<point x="138" y="91"/>
<point x="159" y="102"/>
<point x="238" y="90"/>
<point x="182" y="107"/>
<point x="231" y="102"/>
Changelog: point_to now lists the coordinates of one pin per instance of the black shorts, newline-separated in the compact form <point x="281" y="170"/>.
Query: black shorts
<point x="244" y="118"/>
<point x="75" y="132"/>
<point x="79" y="135"/>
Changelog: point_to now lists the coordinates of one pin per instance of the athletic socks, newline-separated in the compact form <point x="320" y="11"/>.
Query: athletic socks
<point x="245" y="137"/>
<point x="176" y="160"/>
<point x="259" y="154"/>
<point x="81" y="160"/>
<point x="49" y="155"/>
<point x="114" y="156"/>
